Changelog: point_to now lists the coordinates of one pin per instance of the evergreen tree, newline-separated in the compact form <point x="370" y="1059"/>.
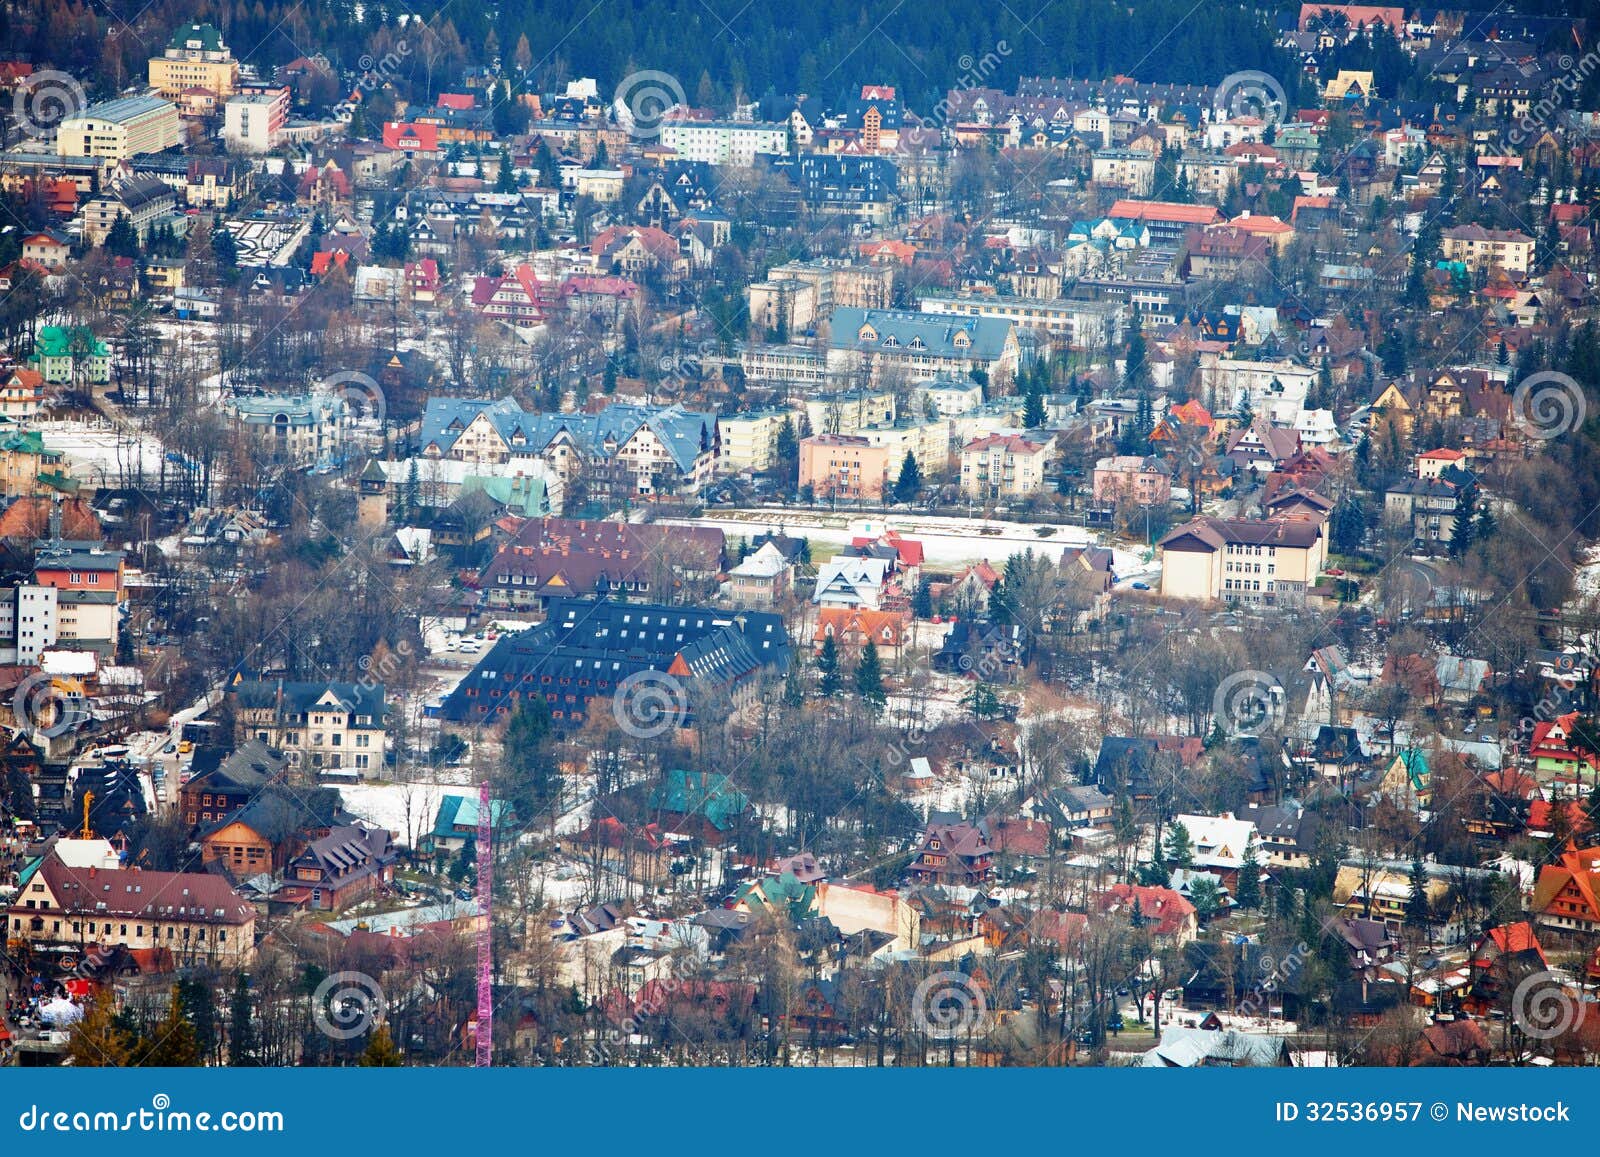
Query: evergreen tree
<point x="1248" y="888"/>
<point x="99" y="1041"/>
<point x="1417" y="907"/>
<point x="1135" y="373"/>
<point x="529" y="779"/>
<point x="1177" y="850"/>
<point x="505" y="181"/>
<point x="173" y="1044"/>
<point x="241" y="1027"/>
<point x="1465" y="529"/>
<point x="982" y="701"/>
<point x="1033" y="415"/>
<point x="828" y="668"/>
<point x="869" y="677"/>
<point x="411" y="493"/>
<point x="1206" y="896"/>
<point x="909" y="484"/>
<point x="200" y="1008"/>
<point x="608" y="381"/>
<point x="922" y="600"/>
<point x="381" y="1051"/>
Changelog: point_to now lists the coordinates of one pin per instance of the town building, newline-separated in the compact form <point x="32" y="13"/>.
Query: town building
<point x="1270" y="562"/>
<point x="582" y="657"/>
<point x="120" y="129"/>
<point x="167" y="919"/>
<point x="253" y="122"/>
<point x="321" y="726"/>
<point x="195" y="57"/>
<point x="1003" y="466"/>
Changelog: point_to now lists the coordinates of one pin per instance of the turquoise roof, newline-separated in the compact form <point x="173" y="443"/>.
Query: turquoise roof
<point x="699" y="793"/>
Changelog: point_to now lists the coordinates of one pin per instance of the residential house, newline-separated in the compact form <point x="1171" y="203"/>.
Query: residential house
<point x="700" y="805"/>
<point x="1565" y="894"/>
<point x="762" y="579"/>
<point x="1144" y="481"/>
<point x="347" y="865"/>
<point x="322" y="726"/>
<point x="952" y="854"/>
<point x="220" y="786"/>
<point x="851" y="628"/>
<point x="270" y="830"/>
<point x="1003" y="466"/>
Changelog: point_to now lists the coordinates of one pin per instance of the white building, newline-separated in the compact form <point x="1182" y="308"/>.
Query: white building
<point x="253" y="122"/>
<point x="725" y="142"/>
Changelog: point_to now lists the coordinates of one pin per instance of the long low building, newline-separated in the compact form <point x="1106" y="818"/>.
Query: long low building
<point x="652" y="666"/>
<point x="170" y="918"/>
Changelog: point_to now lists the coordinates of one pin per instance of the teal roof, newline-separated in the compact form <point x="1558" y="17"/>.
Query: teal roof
<point x="56" y="342"/>
<point x="191" y="37"/>
<point x="522" y="493"/>
<point x="933" y="334"/>
<point x="699" y="793"/>
<point x="461" y="811"/>
<point x="685" y="434"/>
<point x="780" y="893"/>
<point x="1416" y="765"/>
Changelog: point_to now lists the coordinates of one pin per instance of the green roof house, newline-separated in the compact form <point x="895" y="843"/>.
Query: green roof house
<point x="696" y="803"/>
<point x="68" y="354"/>
<point x="457" y="821"/>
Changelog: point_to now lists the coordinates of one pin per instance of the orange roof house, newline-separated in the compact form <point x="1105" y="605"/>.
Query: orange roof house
<point x="1357" y="16"/>
<point x="30" y="518"/>
<point x="853" y="626"/>
<point x="889" y="252"/>
<point x="1564" y="898"/>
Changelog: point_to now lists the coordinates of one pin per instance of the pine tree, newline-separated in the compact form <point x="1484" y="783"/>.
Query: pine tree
<point x="381" y="1051"/>
<point x="1177" y="849"/>
<point x="922" y="600"/>
<point x="1248" y="889"/>
<point x="98" y="1041"/>
<point x="411" y="493"/>
<point x="869" y="677"/>
<point x="1465" y="529"/>
<point x="1418" y="910"/>
<point x="1135" y="372"/>
<point x="241" y="1027"/>
<point x="828" y="668"/>
<point x="909" y="484"/>
<point x="528" y="776"/>
<point x="1033" y="415"/>
<point x="173" y="1044"/>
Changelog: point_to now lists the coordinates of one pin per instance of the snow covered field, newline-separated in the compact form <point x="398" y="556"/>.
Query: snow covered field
<point x="945" y="540"/>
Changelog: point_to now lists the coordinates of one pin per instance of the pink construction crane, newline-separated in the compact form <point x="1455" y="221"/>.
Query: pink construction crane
<point x="485" y="1033"/>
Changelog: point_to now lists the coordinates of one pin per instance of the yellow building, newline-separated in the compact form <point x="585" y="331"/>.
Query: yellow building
<point x="750" y="441"/>
<point x="119" y="129"/>
<point x="1481" y="249"/>
<point x="195" y="57"/>
<point x="1243" y="560"/>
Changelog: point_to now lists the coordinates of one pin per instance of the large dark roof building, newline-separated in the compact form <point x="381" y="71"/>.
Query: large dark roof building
<point x="588" y="648"/>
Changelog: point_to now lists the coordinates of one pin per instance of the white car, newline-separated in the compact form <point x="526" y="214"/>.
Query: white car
<point x="470" y="647"/>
